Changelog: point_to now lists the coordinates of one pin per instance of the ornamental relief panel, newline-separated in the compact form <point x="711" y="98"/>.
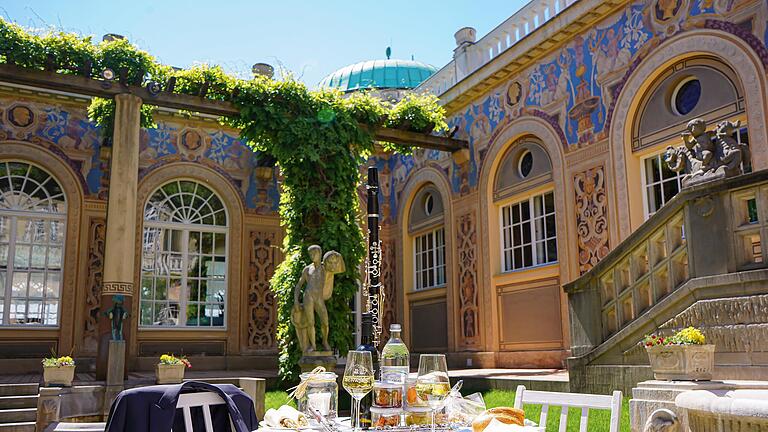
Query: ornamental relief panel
<point x="94" y="282"/>
<point x="591" y="217"/>
<point x="261" y="314"/>
<point x="468" y="296"/>
<point x="389" y="282"/>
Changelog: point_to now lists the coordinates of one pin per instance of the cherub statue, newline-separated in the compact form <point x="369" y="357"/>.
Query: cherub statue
<point x="318" y="277"/>
<point x="734" y="153"/>
<point x="707" y="155"/>
<point x="701" y="143"/>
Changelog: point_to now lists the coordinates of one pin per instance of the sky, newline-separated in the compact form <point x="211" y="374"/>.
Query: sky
<point x="310" y="38"/>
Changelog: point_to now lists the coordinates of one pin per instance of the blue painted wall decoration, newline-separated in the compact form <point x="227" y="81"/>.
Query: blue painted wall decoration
<point x="572" y="87"/>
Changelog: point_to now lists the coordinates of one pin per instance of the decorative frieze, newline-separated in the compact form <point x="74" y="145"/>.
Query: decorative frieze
<point x="261" y="300"/>
<point x="124" y="288"/>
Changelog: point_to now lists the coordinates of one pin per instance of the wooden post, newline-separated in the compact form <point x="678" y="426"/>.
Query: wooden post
<point x="121" y="226"/>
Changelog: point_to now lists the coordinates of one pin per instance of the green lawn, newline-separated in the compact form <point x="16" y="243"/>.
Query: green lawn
<point x="598" y="420"/>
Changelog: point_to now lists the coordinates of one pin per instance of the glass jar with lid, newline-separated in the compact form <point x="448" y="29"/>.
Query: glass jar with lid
<point x="320" y="391"/>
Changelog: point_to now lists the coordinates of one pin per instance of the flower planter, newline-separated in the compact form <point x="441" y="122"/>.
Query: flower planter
<point x="682" y="362"/>
<point x="169" y="374"/>
<point x="58" y="375"/>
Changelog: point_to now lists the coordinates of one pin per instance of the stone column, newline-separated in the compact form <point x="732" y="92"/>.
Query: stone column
<point x="121" y="227"/>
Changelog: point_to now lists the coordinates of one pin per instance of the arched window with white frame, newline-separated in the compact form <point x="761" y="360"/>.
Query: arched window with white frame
<point x="525" y="198"/>
<point x="426" y="226"/>
<point x="33" y="217"/>
<point x="184" y="257"/>
<point x="675" y="98"/>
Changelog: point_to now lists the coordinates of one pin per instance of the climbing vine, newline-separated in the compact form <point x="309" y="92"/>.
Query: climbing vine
<point x="319" y="139"/>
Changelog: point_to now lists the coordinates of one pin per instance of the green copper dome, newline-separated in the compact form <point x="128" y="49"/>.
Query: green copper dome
<point x="379" y="74"/>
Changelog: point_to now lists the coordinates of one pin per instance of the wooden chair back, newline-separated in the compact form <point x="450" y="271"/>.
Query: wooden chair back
<point x="187" y="401"/>
<point x="571" y="400"/>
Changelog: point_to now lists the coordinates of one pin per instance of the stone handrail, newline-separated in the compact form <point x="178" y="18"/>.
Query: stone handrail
<point x="708" y="229"/>
<point x="470" y="55"/>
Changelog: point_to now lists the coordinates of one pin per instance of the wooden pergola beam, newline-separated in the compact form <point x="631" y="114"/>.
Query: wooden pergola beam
<point x="108" y="89"/>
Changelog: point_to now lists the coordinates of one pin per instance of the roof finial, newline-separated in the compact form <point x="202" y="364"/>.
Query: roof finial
<point x="389" y="52"/>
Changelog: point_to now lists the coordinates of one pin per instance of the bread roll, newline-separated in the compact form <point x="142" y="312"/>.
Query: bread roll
<point x="505" y="415"/>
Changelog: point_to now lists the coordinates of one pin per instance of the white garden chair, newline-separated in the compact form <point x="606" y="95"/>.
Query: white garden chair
<point x="571" y="400"/>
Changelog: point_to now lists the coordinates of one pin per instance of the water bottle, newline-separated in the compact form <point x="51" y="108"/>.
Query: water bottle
<point x="395" y="358"/>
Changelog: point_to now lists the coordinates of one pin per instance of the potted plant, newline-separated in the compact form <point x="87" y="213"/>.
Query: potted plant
<point x="58" y="371"/>
<point x="682" y="357"/>
<point x="170" y="369"/>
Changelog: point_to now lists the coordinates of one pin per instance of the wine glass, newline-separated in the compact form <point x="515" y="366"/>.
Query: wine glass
<point x="358" y="379"/>
<point x="432" y="383"/>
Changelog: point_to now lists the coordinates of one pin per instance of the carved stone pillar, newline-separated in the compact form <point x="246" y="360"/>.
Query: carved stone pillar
<point x="121" y="223"/>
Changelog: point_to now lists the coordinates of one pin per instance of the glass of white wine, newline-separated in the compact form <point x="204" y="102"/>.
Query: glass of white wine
<point x="432" y="383"/>
<point x="358" y="379"/>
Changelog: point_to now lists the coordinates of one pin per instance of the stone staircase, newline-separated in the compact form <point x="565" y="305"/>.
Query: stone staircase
<point x="18" y="407"/>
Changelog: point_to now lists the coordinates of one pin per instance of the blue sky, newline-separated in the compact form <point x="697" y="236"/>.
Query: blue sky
<point x="309" y="38"/>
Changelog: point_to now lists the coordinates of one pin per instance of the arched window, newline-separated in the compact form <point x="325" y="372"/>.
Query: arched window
<point x="526" y="212"/>
<point x="675" y="98"/>
<point x="32" y="227"/>
<point x="184" y="257"/>
<point x="426" y="226"/>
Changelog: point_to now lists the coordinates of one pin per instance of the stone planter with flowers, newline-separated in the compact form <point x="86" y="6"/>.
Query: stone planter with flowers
<point x="58" y="371"/>
<point x="170" y="369"/>
<point x="681" y="357"/>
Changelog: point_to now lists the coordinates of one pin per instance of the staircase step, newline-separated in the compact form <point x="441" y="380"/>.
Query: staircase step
<point x="19" y="389"/>
<point x="25" y="401"/>
<point x="18" y="427"/>
<point x="18" y="415"/>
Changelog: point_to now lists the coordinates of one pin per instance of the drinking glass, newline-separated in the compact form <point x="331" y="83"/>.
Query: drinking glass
<point x="358" y="379"/>
<point x="432" y="383"/>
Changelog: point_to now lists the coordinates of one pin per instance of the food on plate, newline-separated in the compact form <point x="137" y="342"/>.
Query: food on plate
<point x="285" y="417"/>
<point x="388" y="395"/>
<point x="504" y="415"/>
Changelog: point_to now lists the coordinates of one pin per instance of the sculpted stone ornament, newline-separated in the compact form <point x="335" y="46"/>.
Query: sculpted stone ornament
<point x="708" y="155"/>
<point x="318" y="277"/>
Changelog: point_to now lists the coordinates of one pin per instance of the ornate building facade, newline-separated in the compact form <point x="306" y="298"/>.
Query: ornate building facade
<point x="567" y="106"/>
<point x="208" y="238"/>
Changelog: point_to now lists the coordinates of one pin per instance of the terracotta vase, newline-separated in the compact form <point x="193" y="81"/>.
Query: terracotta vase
<point x="169" y="374"/>
<point x="682" y="362"/>
<point x="58" y="375"/>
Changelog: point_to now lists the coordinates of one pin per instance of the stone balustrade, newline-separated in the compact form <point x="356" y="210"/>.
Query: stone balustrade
<point x="698" y="261"/>
<point x="470" y="54"/>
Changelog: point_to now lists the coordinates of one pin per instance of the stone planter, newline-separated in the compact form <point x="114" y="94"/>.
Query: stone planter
<point x="169" y="374"/>
<point x="682" y="362"/>
<point x="58" y="376"/>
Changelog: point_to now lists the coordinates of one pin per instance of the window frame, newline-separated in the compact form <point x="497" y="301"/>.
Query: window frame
<point x="186" y="230"/>
<point x="533" y="240"/>
<point x="646" y="185"/>
<point x="13" y="216"/>
<point x="435" y="249"/>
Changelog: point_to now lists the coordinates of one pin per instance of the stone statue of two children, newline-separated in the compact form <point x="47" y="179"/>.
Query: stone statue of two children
<point x="318" y="276"/>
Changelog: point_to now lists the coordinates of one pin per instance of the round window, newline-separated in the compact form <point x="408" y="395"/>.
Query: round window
<point x="686" y="96"/>
<point x="429" y="204"/>
<point x="525" y="164"/>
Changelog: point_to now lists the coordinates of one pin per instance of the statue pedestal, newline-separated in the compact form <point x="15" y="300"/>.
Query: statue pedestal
<point x="116" y="363"/>
<point x="314" y="359"/>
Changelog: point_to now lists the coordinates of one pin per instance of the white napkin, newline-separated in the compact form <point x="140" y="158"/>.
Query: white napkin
<point x="497" y="426"/>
